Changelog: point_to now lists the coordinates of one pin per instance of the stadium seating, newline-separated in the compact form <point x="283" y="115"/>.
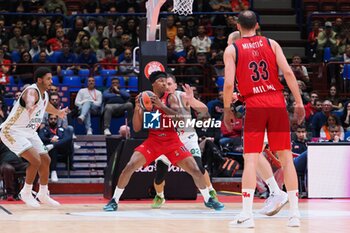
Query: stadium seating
<point x="220" y="83"/>
<point x="55" y="80"/>
<point x="133" y="84"/>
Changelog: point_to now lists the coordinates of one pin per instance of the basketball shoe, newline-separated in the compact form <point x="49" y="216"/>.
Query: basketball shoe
<point x="243" y="220"/>
<point x="213" y="195"/>
<point x="214" y="204"/>
<point x="44" y="198"/>
<point x="157" y="202"/>
<point x="28" y="198"/>
<point x="294" y="219"/>
<point x="112" y="205"/>
<point x="274" y="204"/>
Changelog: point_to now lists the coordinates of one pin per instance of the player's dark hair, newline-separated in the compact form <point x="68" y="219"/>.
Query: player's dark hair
<point x="156" y="75"/>
<point x="247" y="19"/>
<point x="41" y="72"/>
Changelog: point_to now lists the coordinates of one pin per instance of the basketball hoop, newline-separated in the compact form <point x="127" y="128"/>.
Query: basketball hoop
<point x="183" y="7"/>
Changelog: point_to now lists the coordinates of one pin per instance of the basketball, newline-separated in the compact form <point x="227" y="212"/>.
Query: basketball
<point x="145" y="100"/>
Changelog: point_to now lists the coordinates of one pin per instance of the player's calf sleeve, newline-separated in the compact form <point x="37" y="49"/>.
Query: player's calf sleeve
<point x="199" y="163"/>
<point x="162" y="171"/>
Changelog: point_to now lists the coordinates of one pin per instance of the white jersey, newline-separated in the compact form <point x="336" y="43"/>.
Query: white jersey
<point x="185" y="134"/>
<point x="20" y="122"/>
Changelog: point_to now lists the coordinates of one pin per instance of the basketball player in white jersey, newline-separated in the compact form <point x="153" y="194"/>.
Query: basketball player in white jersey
<point x="19" y="134"/>
<point x="188" y="137"/>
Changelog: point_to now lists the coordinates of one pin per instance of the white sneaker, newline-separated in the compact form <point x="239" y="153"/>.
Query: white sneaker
<point x="243" y="220"/>
<point x="28" y="198"/>
<point x="44" y="198"/>
<point x="274" y="204"/>
<point x="294" y="221"/>
<point x="89" y="131"/>
<point x="49" y="147"/>
<point x="107" y="132"/>
<point x="76" y="146"/>
<point x="54" y="177"/>
<point x="81" y="119"/>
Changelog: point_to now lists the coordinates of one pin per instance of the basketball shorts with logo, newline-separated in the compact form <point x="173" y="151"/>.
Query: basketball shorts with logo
<point x="190" y="141"/>
<point x="18" y="143"/>
<point x="268" y="112"/>
<point x="173" y="149"/>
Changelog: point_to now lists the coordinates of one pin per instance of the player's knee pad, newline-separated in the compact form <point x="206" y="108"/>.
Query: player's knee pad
<point x="199" y="163"/>
<point x="162" y="170"/>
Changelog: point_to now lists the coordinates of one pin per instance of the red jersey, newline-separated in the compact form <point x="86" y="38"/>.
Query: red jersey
<point x="166" y="132"/>
<point x="256" y="66"/>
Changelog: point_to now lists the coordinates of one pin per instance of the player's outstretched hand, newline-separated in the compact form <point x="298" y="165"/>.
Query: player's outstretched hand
<point x="299" y="113"/>
<point x="188" y="92"/>
<point x="229" y="118"/>
<point x="63" y="113"/>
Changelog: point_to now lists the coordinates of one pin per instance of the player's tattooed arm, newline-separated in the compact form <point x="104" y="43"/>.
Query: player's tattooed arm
<point x="30" y="98"/>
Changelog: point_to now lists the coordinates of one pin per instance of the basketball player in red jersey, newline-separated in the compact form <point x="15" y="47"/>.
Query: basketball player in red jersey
<point x="161" y="141"/>
<point x="255" y="60"/>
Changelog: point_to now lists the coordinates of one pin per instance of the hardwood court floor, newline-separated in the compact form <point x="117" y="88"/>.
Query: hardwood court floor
<point x="76" y="215"/>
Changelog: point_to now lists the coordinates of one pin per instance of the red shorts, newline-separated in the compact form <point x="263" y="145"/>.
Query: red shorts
<point x="266" y="111"/>
<point x="173" y="149"/>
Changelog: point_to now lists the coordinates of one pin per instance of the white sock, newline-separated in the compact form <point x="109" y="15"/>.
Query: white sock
<point x="293" y="197"/>
<point x="161" y="194"/>
<point x="211" y="188"/>
<point x="247" y="200"/>
<point x="117" y="193"/>
<point x="43" y="189"/>
<point x="205" y="194"/>
<point x="273" y="186"/>
<point x="27" y="187"/>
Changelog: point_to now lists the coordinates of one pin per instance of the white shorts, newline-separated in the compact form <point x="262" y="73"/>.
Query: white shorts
<point x="18" y="143"/>
<point x="191" y="144"/>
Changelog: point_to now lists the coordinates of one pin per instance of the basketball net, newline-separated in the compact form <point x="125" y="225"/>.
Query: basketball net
<point x="181" y="7"/>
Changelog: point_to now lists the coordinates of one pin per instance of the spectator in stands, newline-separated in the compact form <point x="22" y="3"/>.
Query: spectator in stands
<point x="299" y="143"/>
<point x="91" y="27"/>
<point x="332" y="120"/>
<point x="51" y="5"/>
<point x="116" y="102"/>
<point x="334" y="98"/>
<point x="33" y="30"/>
<point x="220" y="39"/>
<point x="303" y="93"/>
<point x="180" y="71"/>
<point x="191" y="54"/>
<point x="126" y="66"/>
<point x="91" y="6"/>
<point x="216" y="106"/>
<point x="55" y="43"/>
<point x="7" y="54"/>
<point x="88" y="100"/>
<point x="109" y="58"/>
<point x="105" y="44"/>
<point x="108" y="30"/>
<point x="3" y="110"/>
<point x="310" y="107"/>
<point x="345" y="117"/>
<point x="171" y="29"/>
<point x="24" y="69"/>
<point x="4" y="34"/>
<point x="191" y="27"/>
<point x="35" y="48"/>
<point x="131" y="30"/>
<point x="205" y="21"/>
<point x="325" y="39"/>
<point x="96" y="39"/>
<point x="206" y="70"/>
<point x="239" y="5"/>
<point x="57" y="141"/>
<point x="78" y="26"/>
<point x="219" y="65"/>
<point x="179" y="46"/>
<point x="10" y="163"/>
<point x="48" y="30"/>
<point x="232" y="139"/>
<point x="116" y="41"/>
<point x="201" y="42"/>
<point x="231" y="24"/>
<point x="171" y="54"/>
<point x="4" y="69"/>
<point x="299" y="70"/>
<point x="87" y="57"/>
<point x="14" y="41"/>
<point x="83" y="40"/>
<point x="67" y="57"/>
<point x="220" y="5"/>
<point x="339" y="26"/>
<point x="312" y="39"/>
<point x="320" y="118"/>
